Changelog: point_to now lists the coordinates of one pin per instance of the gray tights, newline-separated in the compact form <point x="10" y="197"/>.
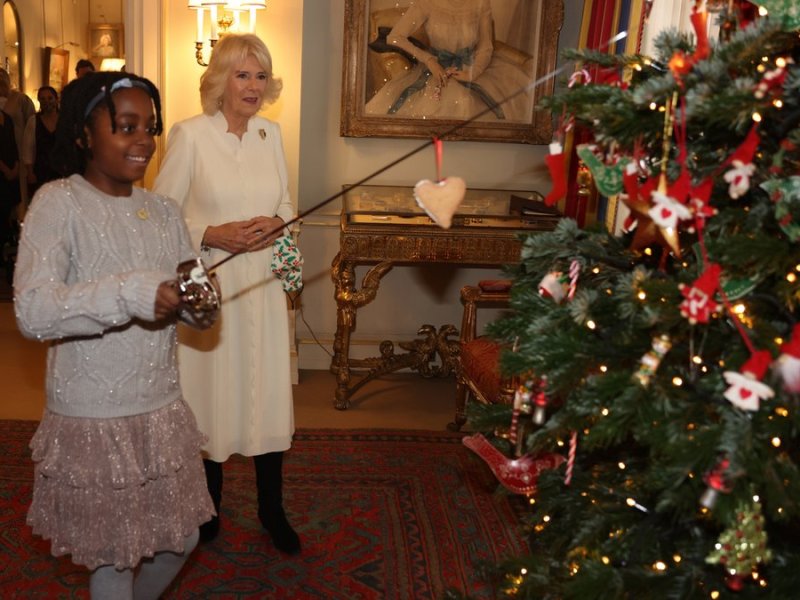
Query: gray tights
<point x="148" y="582"/>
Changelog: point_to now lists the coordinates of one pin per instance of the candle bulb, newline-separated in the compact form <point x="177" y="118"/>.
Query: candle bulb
<point x="213" y="10"/>
<point x="199" y="37"/>
<point x="252" y="19"/>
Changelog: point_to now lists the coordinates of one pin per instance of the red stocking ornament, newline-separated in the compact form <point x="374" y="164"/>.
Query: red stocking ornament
<point x="555" y="165"/>
<point x="699" y="19"/>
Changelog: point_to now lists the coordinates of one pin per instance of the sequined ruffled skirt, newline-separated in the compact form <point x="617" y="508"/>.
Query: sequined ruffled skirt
<point x="112" y="491"/>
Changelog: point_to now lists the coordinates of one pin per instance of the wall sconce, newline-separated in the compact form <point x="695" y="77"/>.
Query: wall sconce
<point x="224" y="16"/>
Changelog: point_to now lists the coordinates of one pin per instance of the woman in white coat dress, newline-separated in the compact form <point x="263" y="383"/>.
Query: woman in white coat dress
<point x="227" y="171"/>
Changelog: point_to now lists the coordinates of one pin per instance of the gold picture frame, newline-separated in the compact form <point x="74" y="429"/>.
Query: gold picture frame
<point x="56" y="67"/>
<point x="106" y="40"/>
<point x="527" y="53"/>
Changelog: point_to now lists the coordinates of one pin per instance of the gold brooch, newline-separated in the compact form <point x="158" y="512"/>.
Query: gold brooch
<point x="142" y="214"/>
<point x="262" y="133"/>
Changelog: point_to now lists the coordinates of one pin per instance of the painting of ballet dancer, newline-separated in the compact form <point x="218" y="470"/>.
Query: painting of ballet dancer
<point x="455" y="69"/>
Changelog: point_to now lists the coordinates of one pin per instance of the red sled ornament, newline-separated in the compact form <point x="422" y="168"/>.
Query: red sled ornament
<point x="746" y="390"/>
<point x="699" y="303"/>
<point x="518" y="475"/>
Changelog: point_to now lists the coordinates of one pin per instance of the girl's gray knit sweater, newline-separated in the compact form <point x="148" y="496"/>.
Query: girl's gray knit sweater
<point x="87" y="271"/>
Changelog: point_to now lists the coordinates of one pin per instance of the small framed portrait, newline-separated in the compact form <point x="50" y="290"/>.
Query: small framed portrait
<point x="106" y="41"/>
<point x="56" y="67"/>
<point x="420" y="69"/>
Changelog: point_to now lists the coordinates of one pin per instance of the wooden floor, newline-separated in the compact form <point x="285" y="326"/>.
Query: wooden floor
<point x="401" y="401"/>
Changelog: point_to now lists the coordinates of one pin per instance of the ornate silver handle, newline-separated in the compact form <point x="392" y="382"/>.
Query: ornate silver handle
<point x="199" y="296"/>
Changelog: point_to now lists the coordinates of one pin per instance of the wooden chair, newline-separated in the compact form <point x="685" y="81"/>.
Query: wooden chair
<point x="478" y="374"/>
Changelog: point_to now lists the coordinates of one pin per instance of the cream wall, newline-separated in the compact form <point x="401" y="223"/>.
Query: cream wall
<point x="305" y="37"/>
<point x="58" y="23"/>
<point x="280" y="26"/>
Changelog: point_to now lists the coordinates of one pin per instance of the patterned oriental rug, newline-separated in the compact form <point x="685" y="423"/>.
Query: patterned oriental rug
<point x="401" y="515"/>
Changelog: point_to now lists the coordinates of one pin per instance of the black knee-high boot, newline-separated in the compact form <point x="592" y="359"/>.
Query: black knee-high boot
<point x="210" y="529"/>
<point x="269" y="484"/>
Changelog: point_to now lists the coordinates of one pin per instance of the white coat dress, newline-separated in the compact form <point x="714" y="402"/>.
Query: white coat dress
<point x="236" y="376"/>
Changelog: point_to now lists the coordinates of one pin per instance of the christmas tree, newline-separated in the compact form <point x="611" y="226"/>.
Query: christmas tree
<point x="664" y="364"/>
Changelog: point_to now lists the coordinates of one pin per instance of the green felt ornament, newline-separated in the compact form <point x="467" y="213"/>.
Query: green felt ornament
<point x="607" y="179"/>
<point x="787" y="11"/>
<point x="786" y="195"/>
<point x="736" y="288"/>
<point x="732" y="288"/>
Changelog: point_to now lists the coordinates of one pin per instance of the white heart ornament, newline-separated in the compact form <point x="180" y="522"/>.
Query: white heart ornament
<point x="440" y="200"/>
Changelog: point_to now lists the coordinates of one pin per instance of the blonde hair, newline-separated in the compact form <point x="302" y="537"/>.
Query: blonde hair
<point x="229" y="53"/>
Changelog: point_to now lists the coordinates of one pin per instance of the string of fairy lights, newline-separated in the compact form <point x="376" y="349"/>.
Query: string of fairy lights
<point x="736" y="310"/>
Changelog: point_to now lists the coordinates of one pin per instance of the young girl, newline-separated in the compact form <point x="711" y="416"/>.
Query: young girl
<point x="118" y="478"/>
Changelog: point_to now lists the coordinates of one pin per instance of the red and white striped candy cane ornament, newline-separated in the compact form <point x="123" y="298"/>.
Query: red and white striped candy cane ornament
<point x="574" y="272"/>
<point x="573" y="447"/>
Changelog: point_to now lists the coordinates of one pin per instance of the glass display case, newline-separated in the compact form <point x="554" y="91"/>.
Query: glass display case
<point x="393" y="205"/>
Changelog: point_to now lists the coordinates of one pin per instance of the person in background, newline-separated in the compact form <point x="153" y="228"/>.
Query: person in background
<point x="118" y="476"/>
<point x="9" y="189"/>
<point x="20" y="108"/>
<point x="38" y="140"/>
<point x="227" y="170"/>
<point x="82" y="67"/>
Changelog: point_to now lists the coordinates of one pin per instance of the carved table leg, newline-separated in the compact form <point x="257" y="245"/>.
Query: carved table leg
<point x="343" y="275"/>
<point x="348" y="299"/>
<point x="341" y="400"/>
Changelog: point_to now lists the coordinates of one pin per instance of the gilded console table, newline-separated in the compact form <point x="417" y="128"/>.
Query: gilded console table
<point x="383" y="227"/>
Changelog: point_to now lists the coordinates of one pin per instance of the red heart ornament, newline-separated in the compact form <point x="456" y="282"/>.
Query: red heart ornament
<point x="745" y="393"/>
<point x="666" y="213"/>
<point x="440" y="200"/>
